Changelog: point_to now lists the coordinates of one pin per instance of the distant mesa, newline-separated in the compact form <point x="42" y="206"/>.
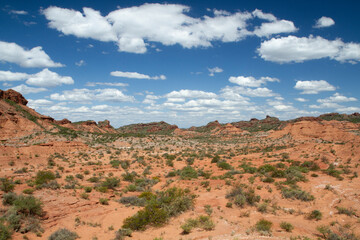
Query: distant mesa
<point x="16" y="119"/>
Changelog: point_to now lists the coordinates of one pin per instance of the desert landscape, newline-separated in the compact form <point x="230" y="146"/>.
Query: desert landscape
<point x="256" y="179"/>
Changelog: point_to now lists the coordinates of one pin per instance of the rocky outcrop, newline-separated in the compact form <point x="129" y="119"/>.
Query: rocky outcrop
<point x="255" y="125"/>
<point x="213" y="124"/>
<point x="63" y="122"/>
<point x="227" y="129"/>
<point x="13" y="96"/>
<point x="47" y="119"/>
<point x="105" y="124"/>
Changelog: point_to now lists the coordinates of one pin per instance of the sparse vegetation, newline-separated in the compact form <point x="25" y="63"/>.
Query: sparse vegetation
<point x="263" y="226"/>
<point x="159" y="208"/>
<point x="288" y="227"/>
<point x="203" y="222"/>
<point x="63" y="234"/>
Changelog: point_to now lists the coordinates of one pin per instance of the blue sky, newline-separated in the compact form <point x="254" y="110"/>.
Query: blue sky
<point x="184" y="62"/>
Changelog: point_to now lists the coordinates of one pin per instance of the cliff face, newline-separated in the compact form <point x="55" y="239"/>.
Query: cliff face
<point x="13" y="96"/>
<point x="16" y="119"/>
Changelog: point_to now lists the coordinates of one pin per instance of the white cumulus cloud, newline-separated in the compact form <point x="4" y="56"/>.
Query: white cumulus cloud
<point x="87" y="95"/>
<point x="301" y="99"/>
<point x="112" y="84"/>
<point x="47" y="78"/>
<point x="251" y="81"/>
<point x="300" y="49"/>
<point x="251" y="92"/>
<point x="23" y="89"/>
<point x="35" y="57"/>
<point x="133" y="28"/>
<point x="314" y="87"/>
<point x="324" y="22"/>
<point x="136" y="75"/>
<point x="214" y="70"/>
<point x="337" y="98"/>
<point x="185" y="93"/>
<point x="12" y="76"/>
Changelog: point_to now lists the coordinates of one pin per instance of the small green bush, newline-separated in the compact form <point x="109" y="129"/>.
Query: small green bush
<point x="28" y="205"/>
<point x="346" y="211"/>
<point x="63" y="234"/>
<point x="111" y="183"/>
<point x="263" y="207"/>
<point x="203" y="222"/>
<point x="104" y="201"/>
<point x="296" y="193"/>
<point x="44" y="177"/>
<point x="115" y="163"/>
<point x="160" y="208"/>
<point x="28" y="191"/>
<point x="94" y="179"/>
<point x="333" y="172"/>
<point x="122" y="233"/>
<point x="5" y="233"/>
<point x="241" y="197"/>
<point x="53" y="184"/>
<point x="188" y="173"/>
<point x="215" y="159"/>
<point x="287" y="226"/>
<point x="9" y="198"/>
<point x="129" y="177"/>
<point x="84" y="196"/>
<point x="315" y="214"/>
<point x="263" y="226"/>
<point x="133" y="201"/>
<point x="224" y="165"/>
<point x="6" y="185"/>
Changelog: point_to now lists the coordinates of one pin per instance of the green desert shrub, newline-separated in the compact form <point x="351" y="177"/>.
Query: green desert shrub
<point x="9" y="198"/>
<point x="94" y="179"/>
<point x="6" y="185"/>
<point x="5" y="232"/>
<point x="28" y="205"/>
<point x="288" y="227"/>
<point x="159" y="208"/>
<point x="111" y="183"/>
<point x="334" y="172"/>
<point x="44" y="177"/>
<point x="241" y="197"/>
<point x="215" y="159"/>
<point x="129" y="177"/>
<point x="28" y="191"/>
<point x="133" y="201"/>
<point x="122" y="233"/>
<point x="224" y="165"/>
<point x="294" y="174"/>
<point x="188" y="173"/>
<point x="263" y="226"/>
<point x="315" y="214"/>
<point x="63" y="234"/>
<point x="115" y="163"/>
<point x="266" y="169"/>
<point x="104" y="201"/>
<point x="296" y="193"/>
<point x="203" y="222"/>
<point x="53" y="184"/>
<point x="346" y="211"/>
